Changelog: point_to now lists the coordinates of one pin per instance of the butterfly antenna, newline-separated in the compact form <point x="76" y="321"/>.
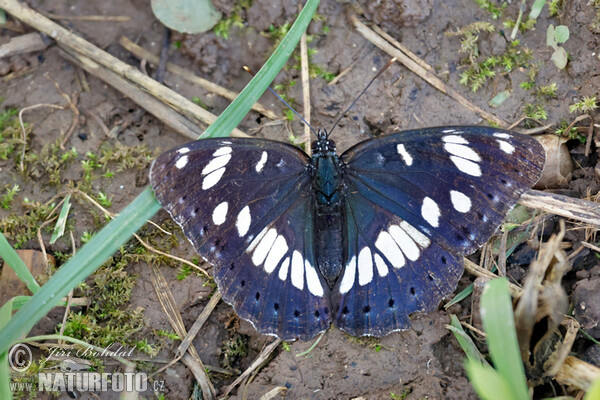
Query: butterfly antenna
<point x="247" y="69"/>
<point x="377" y="75"/>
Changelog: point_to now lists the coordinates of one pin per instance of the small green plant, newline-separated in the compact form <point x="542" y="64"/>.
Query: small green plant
<point x="8" y="197"/>
<point x="184" y="271"/>
<point x="103" y="199"/>
<point x="554" y="36"/>
<point x="86" y="236"/>
<point x="402" y="396"/>
<point x="470" y="36"/>
<point x="10" y="133"/>
<point x="286" y="346"/>
<point x="234" y="20"/>
<point x="478" y="73"/>
<point x="198" y="101"/>
<point x="587" y="104"/>
<point x="145" y="347"/>
<point x="168" y="334"/>
<point x="535" y="111"/>
<point x="548" y="91"/>
<point x="289" y="114"/>
<point x="492" y="7"/>
<point x="555" y="6"/>
<point x="233" y="349"/>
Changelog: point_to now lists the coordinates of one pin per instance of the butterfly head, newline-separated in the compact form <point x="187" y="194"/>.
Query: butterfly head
<point x="323" y="144"/>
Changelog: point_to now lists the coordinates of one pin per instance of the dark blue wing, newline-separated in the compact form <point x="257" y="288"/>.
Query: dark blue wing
<point x="245" y="205"/>
<point x="425" y="195"/>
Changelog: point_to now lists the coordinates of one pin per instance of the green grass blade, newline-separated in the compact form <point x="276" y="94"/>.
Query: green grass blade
<point x="465" y="341"/>
<point x="466" y="292"/>
<point x="10" y="257"/>
<point x="236" y="111"/>
<point x="594" y="391"/>
<point x="5" y="392"/>
<point x="118" y="231"/>
<point x="59" y="228"/>
<point x="499" y="325"/>
<point x="487" y="382"/>
<point x="103" y="245"/>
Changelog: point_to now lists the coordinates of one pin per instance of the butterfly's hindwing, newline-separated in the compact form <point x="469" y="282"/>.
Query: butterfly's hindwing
<point x="245" y="205"/>
<point x="392" y="271"/>
<point x="280" y="292"/>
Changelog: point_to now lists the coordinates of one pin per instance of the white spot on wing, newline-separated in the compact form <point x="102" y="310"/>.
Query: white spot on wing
<point x="382" y="268"/>
<point x="466" y="166"/>
<point x="182" y="162"/>
<point x="349" y="276"/>
<point x="261" y="163"/>
<point x="312" y="280"/>
<point x="463" y="151"/>
<point x="449" y="130"/>
<point x="454" y="139"/>
<point x="283" y="270"/>
<point x="406" y="244"/>
<point x="261" y="251"/>
<point x="257" y="240"/>
<point x="430" y="212"/>
<point x="243" y="221"/>
<point x="388" y="247"/>
<point x="415" y="234"/>
<point x="460" y="201"/>
<point x="502" y="135"/>
<point x="277" y="252"/>
<point x="212" y="179"/>
<point x="297" y="270"/>
<point x="183" y="150"/>
<point x="365" y="267"/>
<point x="216" y="163"/>
<point x="505" y="146"/>
<point x="220" y="213"/>
<point x="408" y="160"/>
<point x="222" y="151"/>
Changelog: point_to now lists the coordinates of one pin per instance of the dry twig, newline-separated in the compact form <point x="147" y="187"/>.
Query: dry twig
<point x="305" y="92"/>
<point x="142" y="53"/>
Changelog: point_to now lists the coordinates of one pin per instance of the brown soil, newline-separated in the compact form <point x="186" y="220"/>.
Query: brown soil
<point x="424" y="362"/>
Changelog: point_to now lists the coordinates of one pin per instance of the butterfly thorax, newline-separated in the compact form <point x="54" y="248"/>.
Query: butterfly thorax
<point x="327" y="189"/>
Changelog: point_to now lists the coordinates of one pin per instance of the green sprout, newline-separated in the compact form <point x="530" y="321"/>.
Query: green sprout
<point x="585" y="105"/>
<point x="8" y="197"/>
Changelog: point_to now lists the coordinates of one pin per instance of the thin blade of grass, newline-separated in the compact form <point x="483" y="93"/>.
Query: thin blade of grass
<point x="103" y="245"/>
<point x="499" y="325"/>
<point x="238" y="109"/>
<point x="5" y="392"/>
<point x="594" y="392"/>
<point x="465" y="341"/>
<point x="12" y="259"/>
<point x="118" y="231"/>
<point x="487" y="382"/>
<point x="59" y="228"/>
<point x="466" y="292"/>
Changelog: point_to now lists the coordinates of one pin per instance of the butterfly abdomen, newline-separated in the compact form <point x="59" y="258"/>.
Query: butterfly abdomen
<point x="328" y="237"/>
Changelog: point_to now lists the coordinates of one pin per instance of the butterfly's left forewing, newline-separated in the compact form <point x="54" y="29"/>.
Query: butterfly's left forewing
<point x="245" y="205"/>
<point x="415" y="203"/>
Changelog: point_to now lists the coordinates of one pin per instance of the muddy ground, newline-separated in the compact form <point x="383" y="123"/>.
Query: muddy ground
<point x="423" y="362"/>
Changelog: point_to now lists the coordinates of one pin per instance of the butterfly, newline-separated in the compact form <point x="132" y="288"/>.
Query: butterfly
<point x="362" y="239"/>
